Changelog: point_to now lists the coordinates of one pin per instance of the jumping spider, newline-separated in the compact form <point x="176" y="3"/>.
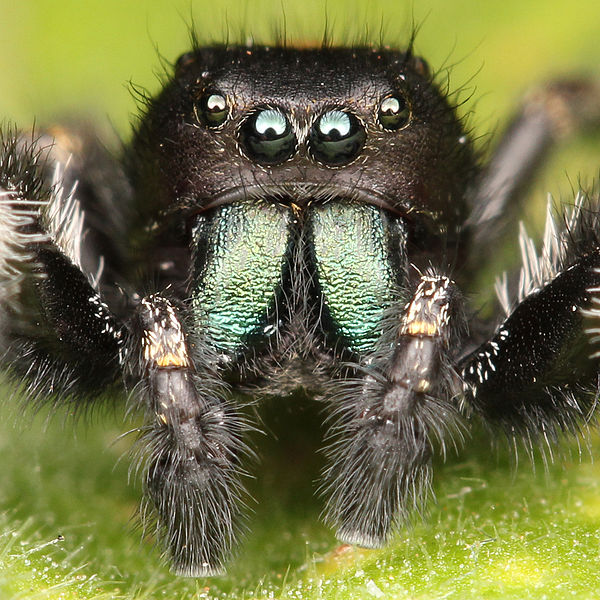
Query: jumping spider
<point x="292" y="219"/>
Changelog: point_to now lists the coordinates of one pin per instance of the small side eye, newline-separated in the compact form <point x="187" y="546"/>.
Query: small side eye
<point x="212" y="110"/>
<point x="267" y="137"/>
<point x="394" y="112"/>
<point x="336" y="138"/>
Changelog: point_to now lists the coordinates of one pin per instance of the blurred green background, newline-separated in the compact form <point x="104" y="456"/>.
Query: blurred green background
<point x="494" y="533"/>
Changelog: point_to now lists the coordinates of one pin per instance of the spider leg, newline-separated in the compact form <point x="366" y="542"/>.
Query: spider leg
<point x="535" y="376"/>
<point x="192" y="442"/>
<point x="387" y="420"/>
<point x="74" y="158"/>
<point x="61" y="336"/>
<point x="548" y="114"/>
<point x="57" y="331"/>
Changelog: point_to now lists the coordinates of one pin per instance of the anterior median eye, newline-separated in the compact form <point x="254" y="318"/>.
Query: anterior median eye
<point x="336" y="138"/>
<point x="394" y="112"/>
<point x="267" y="137"/>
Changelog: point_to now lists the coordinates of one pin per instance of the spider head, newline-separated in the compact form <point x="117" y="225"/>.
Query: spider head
<point x="303" y="126"/>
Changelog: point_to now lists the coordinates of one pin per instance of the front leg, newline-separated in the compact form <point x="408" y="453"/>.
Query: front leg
<point x="535" y="377"/>
<point x="387" y="420"/>
<point x="57" y="332"/>
<point x="60" y="334"/>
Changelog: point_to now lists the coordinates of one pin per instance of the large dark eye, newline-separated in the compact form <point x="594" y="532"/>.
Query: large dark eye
<point x="336" y="137"/>
<point x="212" y="110"/>
<point x="394" y="112"/>
<point x="267" y="137"/>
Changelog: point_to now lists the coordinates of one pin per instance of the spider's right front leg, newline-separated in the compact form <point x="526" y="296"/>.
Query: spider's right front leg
<point x="57" y="333"/>
<point x="61" y="335"/>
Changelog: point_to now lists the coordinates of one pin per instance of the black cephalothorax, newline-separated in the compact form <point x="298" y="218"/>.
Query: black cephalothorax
<point x="290" y="219"/>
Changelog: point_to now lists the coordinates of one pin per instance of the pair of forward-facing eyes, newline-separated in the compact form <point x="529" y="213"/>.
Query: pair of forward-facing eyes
<point x="336" y="136"/>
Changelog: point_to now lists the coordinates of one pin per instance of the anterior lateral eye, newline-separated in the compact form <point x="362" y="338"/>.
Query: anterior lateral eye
<point x="394" y="112"/>
<point x="337" y="137"/>
<point x="213" y="110"/>
<point x="267" y="137"/>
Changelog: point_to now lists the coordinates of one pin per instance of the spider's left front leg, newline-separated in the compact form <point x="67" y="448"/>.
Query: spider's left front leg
<point x="389" y="418"/>
<point x="536" y="377"/>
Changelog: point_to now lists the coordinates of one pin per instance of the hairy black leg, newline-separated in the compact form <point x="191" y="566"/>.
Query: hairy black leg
<point x="386" y="421"/>
<point x="535" y="377"/>
<point x="57" y="331"/>
<point x="548" y="114"/>
<point x="61" y="336"/>
<point x="74" y="158"/>
<point x="192" y="442"/>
